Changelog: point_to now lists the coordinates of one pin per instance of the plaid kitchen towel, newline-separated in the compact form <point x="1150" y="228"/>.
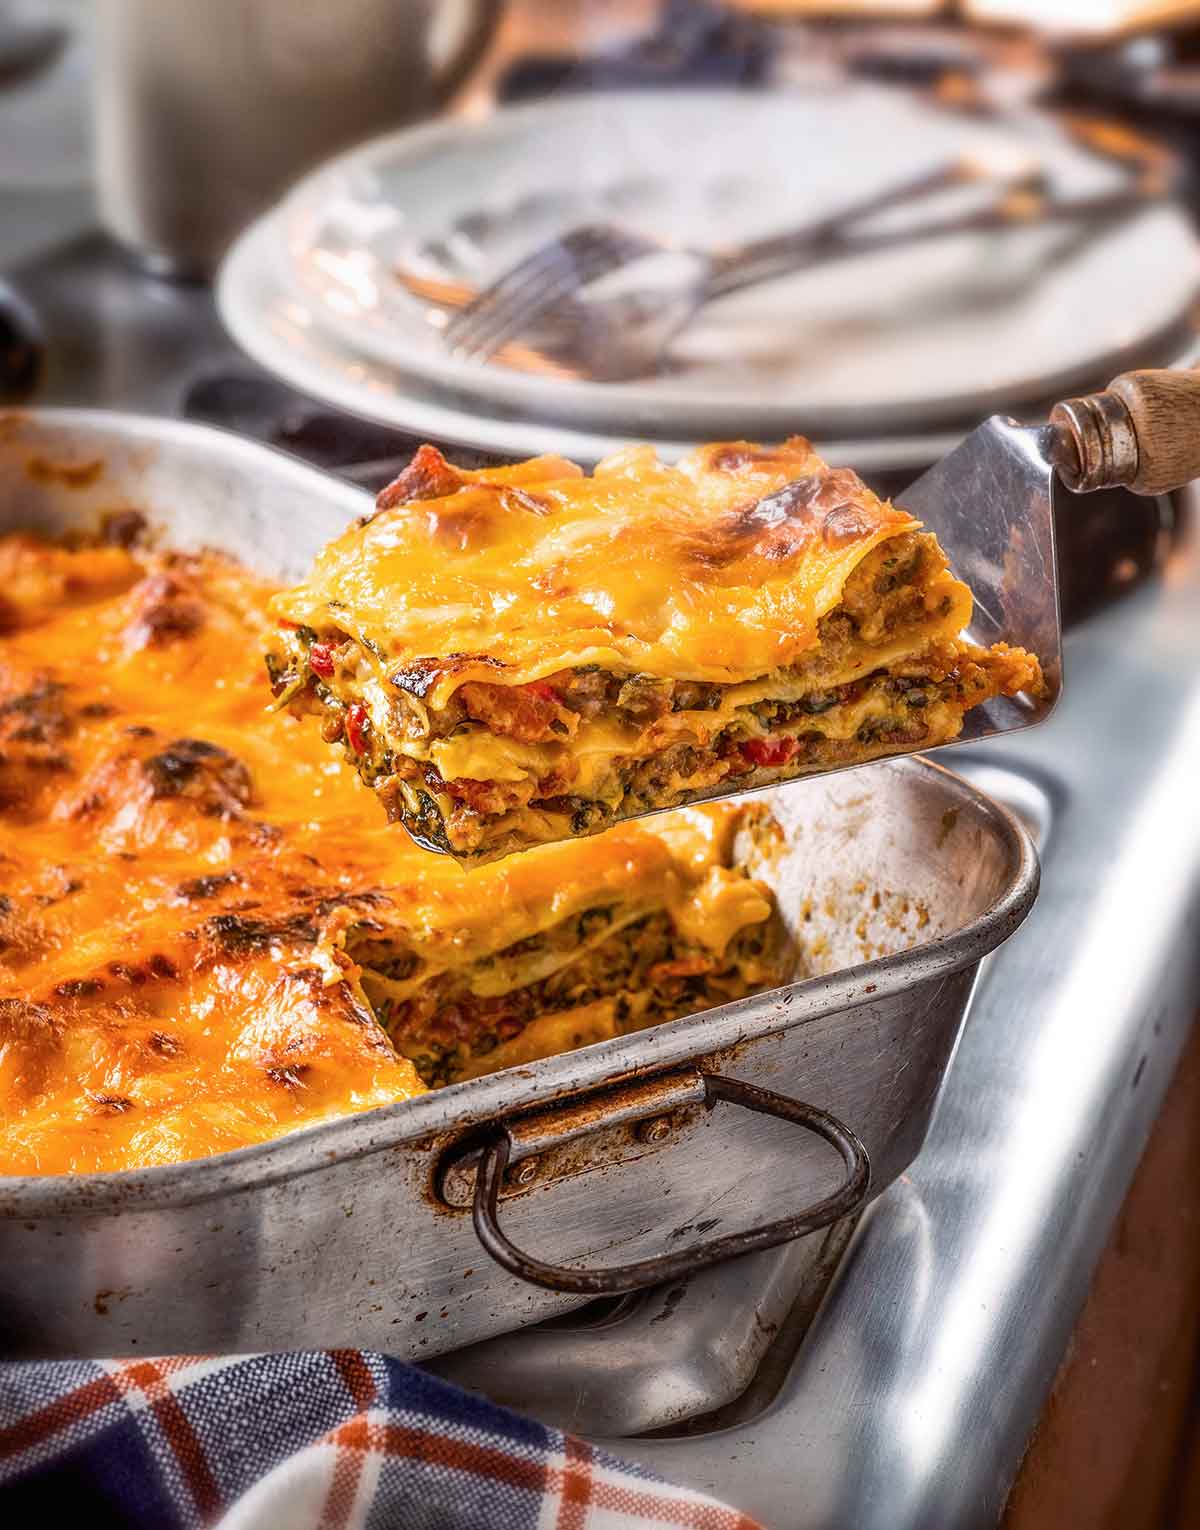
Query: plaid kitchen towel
<point x="306" y="1441"/>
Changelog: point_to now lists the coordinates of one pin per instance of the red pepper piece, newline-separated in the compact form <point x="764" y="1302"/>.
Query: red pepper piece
<point x="358" y="726"/>
<point x="770" y="751"/>
<point x="320" y="660"/>
<point x="542" y="691"/>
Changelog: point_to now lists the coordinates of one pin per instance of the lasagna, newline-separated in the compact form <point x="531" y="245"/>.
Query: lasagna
<point x="527" y="654"/>
<point x="205" y="943"/>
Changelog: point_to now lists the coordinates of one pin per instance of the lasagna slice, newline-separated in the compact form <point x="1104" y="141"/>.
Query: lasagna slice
<point x="527" y="654"/>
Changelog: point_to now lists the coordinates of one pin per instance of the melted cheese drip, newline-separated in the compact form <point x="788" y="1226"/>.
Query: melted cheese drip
<point x="131" y="1030"/>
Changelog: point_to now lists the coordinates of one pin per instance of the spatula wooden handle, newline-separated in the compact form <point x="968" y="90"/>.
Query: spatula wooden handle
<point x="1142" y="433"/>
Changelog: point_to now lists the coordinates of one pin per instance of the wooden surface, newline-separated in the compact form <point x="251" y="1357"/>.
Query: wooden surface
<point x="1165" y="408"/>
<point x="1118" y="1447"/>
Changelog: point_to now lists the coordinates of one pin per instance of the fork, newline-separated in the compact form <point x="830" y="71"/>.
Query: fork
<point x="623" y="335"/>
<point x="553" y="276"/>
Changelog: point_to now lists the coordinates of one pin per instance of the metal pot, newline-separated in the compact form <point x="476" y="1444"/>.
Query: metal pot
<point x="205" y="112"/>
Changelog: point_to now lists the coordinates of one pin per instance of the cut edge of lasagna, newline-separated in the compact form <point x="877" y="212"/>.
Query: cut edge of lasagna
<point x="621" y="958"/>
<point x="520" y="655"/>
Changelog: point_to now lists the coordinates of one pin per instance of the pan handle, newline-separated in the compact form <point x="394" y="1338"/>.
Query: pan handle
<point x="1141" y="433"/>
<point x="849" y="1196"/>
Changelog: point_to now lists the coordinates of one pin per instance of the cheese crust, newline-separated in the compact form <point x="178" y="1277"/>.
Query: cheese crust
<point x="526" y="654"/>
<point x="205" y="942"/>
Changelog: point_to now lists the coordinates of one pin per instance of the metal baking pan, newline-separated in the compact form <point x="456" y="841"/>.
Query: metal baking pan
<point x="635" y="1154"/>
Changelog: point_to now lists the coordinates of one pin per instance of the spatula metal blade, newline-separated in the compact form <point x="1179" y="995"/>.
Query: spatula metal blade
<point x="991" y="504"/>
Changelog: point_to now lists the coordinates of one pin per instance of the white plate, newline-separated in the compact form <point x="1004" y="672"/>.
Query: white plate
<point x="279" y="332"/>
<point x="892" y="341"/>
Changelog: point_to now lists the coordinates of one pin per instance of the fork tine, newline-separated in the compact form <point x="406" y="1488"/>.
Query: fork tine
<point x="497" y="321"/>
<point x="536" y="284"/>
<point x="516" y="319"/>
<point x="538" y="263"/>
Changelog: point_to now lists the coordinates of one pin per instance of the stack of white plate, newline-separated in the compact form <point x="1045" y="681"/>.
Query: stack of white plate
<point x="881" y="359"/>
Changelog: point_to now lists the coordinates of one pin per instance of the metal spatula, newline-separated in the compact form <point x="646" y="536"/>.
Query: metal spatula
<point x="992" y="503"/>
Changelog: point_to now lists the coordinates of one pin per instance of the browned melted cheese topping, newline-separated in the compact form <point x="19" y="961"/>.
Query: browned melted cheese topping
<point x="179" y="868"/>
<point x="718" y="568"/>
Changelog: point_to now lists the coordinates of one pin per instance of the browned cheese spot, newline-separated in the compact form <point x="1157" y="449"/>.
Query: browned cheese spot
<point x="427" y="476"/>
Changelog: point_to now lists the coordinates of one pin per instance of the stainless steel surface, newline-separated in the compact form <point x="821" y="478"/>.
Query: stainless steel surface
<point x="663" y="1356"/>
<point x="336" y="1235"/>
<point x="992" y="502"/>
<point x="205" y="113"/>
<point x="115" y="336"/>
<point x="912" y="1410"/>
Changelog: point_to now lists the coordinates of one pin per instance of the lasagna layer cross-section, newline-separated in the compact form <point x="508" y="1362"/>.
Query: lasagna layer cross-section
<point x="528" y="654"/>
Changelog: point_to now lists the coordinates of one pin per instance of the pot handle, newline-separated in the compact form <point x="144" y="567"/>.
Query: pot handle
<point x="1141" y="433"/>
<point x="849" y="1196"/>
<point x="467" y="50"/>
